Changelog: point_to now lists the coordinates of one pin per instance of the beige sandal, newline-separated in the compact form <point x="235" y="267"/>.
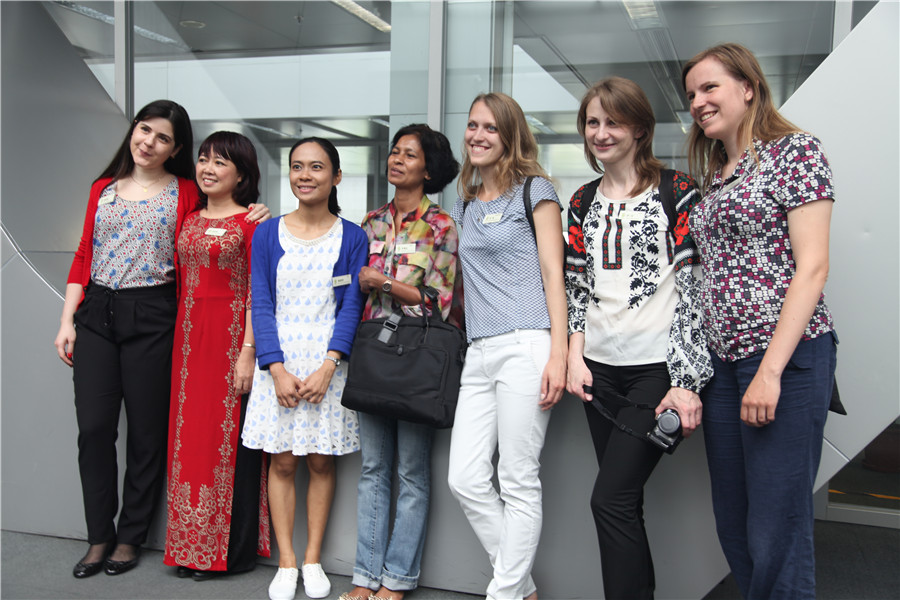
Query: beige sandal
<point x="347" y="596"/>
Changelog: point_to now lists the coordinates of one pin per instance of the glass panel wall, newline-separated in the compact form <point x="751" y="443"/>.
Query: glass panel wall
<point x="547" y="54"/>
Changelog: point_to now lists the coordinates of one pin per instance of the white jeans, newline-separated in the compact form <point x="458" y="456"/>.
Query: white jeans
<point x="498" y="405"/>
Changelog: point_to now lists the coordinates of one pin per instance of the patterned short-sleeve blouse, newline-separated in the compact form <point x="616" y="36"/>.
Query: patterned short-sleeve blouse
<point x="741" y="229"/>
<point x="134" y="241"/>
<point x="500" y="265"/>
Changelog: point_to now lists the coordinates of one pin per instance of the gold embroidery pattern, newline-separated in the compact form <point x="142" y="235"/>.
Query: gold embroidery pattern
<point x="199" y="528"/>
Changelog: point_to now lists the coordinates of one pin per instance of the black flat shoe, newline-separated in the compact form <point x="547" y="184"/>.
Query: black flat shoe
<point x="183" y="572"/>
<point x="83" y="569"/>
<point x="117" y="567"/>
<point x="207" y="575"/>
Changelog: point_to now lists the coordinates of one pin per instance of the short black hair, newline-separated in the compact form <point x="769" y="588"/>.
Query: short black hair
<point x="440" y="163"/>
<point x="239" y="150"/>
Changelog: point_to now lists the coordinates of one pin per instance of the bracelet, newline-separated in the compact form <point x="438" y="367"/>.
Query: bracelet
<point x="246" y="345"/>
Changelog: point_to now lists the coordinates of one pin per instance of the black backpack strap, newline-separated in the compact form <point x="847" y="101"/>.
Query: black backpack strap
<point x="587" y="198"/>
<point x="667" y="196"/>
<point x="526" y="198"/>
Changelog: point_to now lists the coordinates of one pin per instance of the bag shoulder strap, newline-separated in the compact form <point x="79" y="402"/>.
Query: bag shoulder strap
<point x="667" y="196"/>
<point x="587" y="198"/>
<point x="526" y="198"/>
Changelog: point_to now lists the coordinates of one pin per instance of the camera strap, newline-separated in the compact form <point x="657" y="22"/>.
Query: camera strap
<point x="621" y="400"/>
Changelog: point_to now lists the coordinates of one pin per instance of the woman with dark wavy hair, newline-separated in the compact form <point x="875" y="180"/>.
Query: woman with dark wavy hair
<point x="121" y="304"/>
<point x="216" y="522"/>
<point x="762" y="229"/>
<point x="412" y="244"/>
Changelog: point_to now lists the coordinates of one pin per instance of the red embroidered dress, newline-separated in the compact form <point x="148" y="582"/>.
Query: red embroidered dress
<point x="204" y="417"/>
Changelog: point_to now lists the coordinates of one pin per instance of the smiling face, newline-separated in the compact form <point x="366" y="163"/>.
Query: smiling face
<point x="482" y="138"/>
<point x="216" y="175"/>
<point x="312" y="175"/>
<point x="153" y="143"/>
<point x="718" y="100"/>
<point x="610" y="142"/>
<point x="406" y="164"/>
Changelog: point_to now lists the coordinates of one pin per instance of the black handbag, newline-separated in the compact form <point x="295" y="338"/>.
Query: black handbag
<point x="407" y="368"/>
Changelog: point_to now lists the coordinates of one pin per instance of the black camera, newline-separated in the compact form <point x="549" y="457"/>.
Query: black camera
<point x="667" y="433"/>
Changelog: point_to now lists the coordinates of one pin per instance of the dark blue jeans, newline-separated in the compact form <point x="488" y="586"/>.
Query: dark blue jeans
<point x="762" y="478"/>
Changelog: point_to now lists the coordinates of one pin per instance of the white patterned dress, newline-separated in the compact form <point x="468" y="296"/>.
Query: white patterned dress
<point x="304" y="315"/>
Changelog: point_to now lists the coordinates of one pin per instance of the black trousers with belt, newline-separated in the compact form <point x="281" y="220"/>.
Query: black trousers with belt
<point x="123" y="351"/>
<point x="626" y="463"/>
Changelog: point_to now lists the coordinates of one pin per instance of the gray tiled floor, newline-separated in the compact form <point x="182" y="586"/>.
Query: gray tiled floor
<point x="854" y="562"/>
<point x="39" y="567"/>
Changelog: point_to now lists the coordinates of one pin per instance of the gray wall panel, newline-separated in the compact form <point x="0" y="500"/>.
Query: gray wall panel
<point x="60" y="129"/>
<point x="860" y="79"/>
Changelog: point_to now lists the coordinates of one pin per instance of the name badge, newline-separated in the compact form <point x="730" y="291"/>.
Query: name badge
<point x="376" y="246"/>
<point x="631" y="215"/>
<point x="492" y="218"/>
<point x="107" y="199"/>
<point x="216" y="231"/>
<point x="405" y="248"/>
<point x="340" y="280"/>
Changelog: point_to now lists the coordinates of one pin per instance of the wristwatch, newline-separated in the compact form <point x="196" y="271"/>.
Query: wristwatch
<point x="387" y="285"/>
<point x="336" y="361"/>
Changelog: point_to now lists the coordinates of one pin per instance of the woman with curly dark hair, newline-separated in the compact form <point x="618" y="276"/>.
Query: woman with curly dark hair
<point x="412" y="244"/>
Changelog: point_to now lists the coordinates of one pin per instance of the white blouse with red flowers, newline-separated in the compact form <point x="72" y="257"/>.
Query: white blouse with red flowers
<point x="632" y="285"/>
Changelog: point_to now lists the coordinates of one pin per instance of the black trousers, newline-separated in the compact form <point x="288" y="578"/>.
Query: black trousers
<point x="123" y="351"/>
<point x="243" y="537"/>
<point x="617" y="502"/>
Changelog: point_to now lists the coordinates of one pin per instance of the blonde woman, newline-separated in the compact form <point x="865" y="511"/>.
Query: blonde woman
<point x="762" y="230"/>
<point x="515" y="309"/>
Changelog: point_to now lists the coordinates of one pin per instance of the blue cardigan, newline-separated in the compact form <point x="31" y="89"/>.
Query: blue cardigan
<point x="266" y="253"/>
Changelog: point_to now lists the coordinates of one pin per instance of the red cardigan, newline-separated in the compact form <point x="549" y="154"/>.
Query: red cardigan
<point x="80" y="273"/>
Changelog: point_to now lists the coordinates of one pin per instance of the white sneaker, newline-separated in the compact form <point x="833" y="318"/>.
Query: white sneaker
<point x="315" y="582"/>
<point x="284" y="586"/>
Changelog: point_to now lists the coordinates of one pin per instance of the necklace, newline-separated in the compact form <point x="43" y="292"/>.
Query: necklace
<point x="147" y="187"/>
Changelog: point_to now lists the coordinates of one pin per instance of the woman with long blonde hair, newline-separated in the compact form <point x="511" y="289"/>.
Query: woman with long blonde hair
<point x="515" y="309"/>
<point x="762" y="230"/>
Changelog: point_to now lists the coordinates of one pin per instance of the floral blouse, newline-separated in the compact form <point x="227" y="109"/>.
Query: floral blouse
<point x="633" y="285"/>
<point x="422" y="253"/>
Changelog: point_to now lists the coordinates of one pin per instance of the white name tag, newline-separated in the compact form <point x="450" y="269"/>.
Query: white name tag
<point x="492" y="218"/>
<point x="340" y="280"/>
<point x="107" y="199"/>
<point x="216" y="231"/>
<point x="405" y="248"/>
<point x="376" y="247"/>
<point x="631" y="215"/>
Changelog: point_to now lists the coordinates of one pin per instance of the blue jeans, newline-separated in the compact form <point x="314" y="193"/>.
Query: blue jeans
<point x="762" y="478"/>
<point x="383" y="556"/>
